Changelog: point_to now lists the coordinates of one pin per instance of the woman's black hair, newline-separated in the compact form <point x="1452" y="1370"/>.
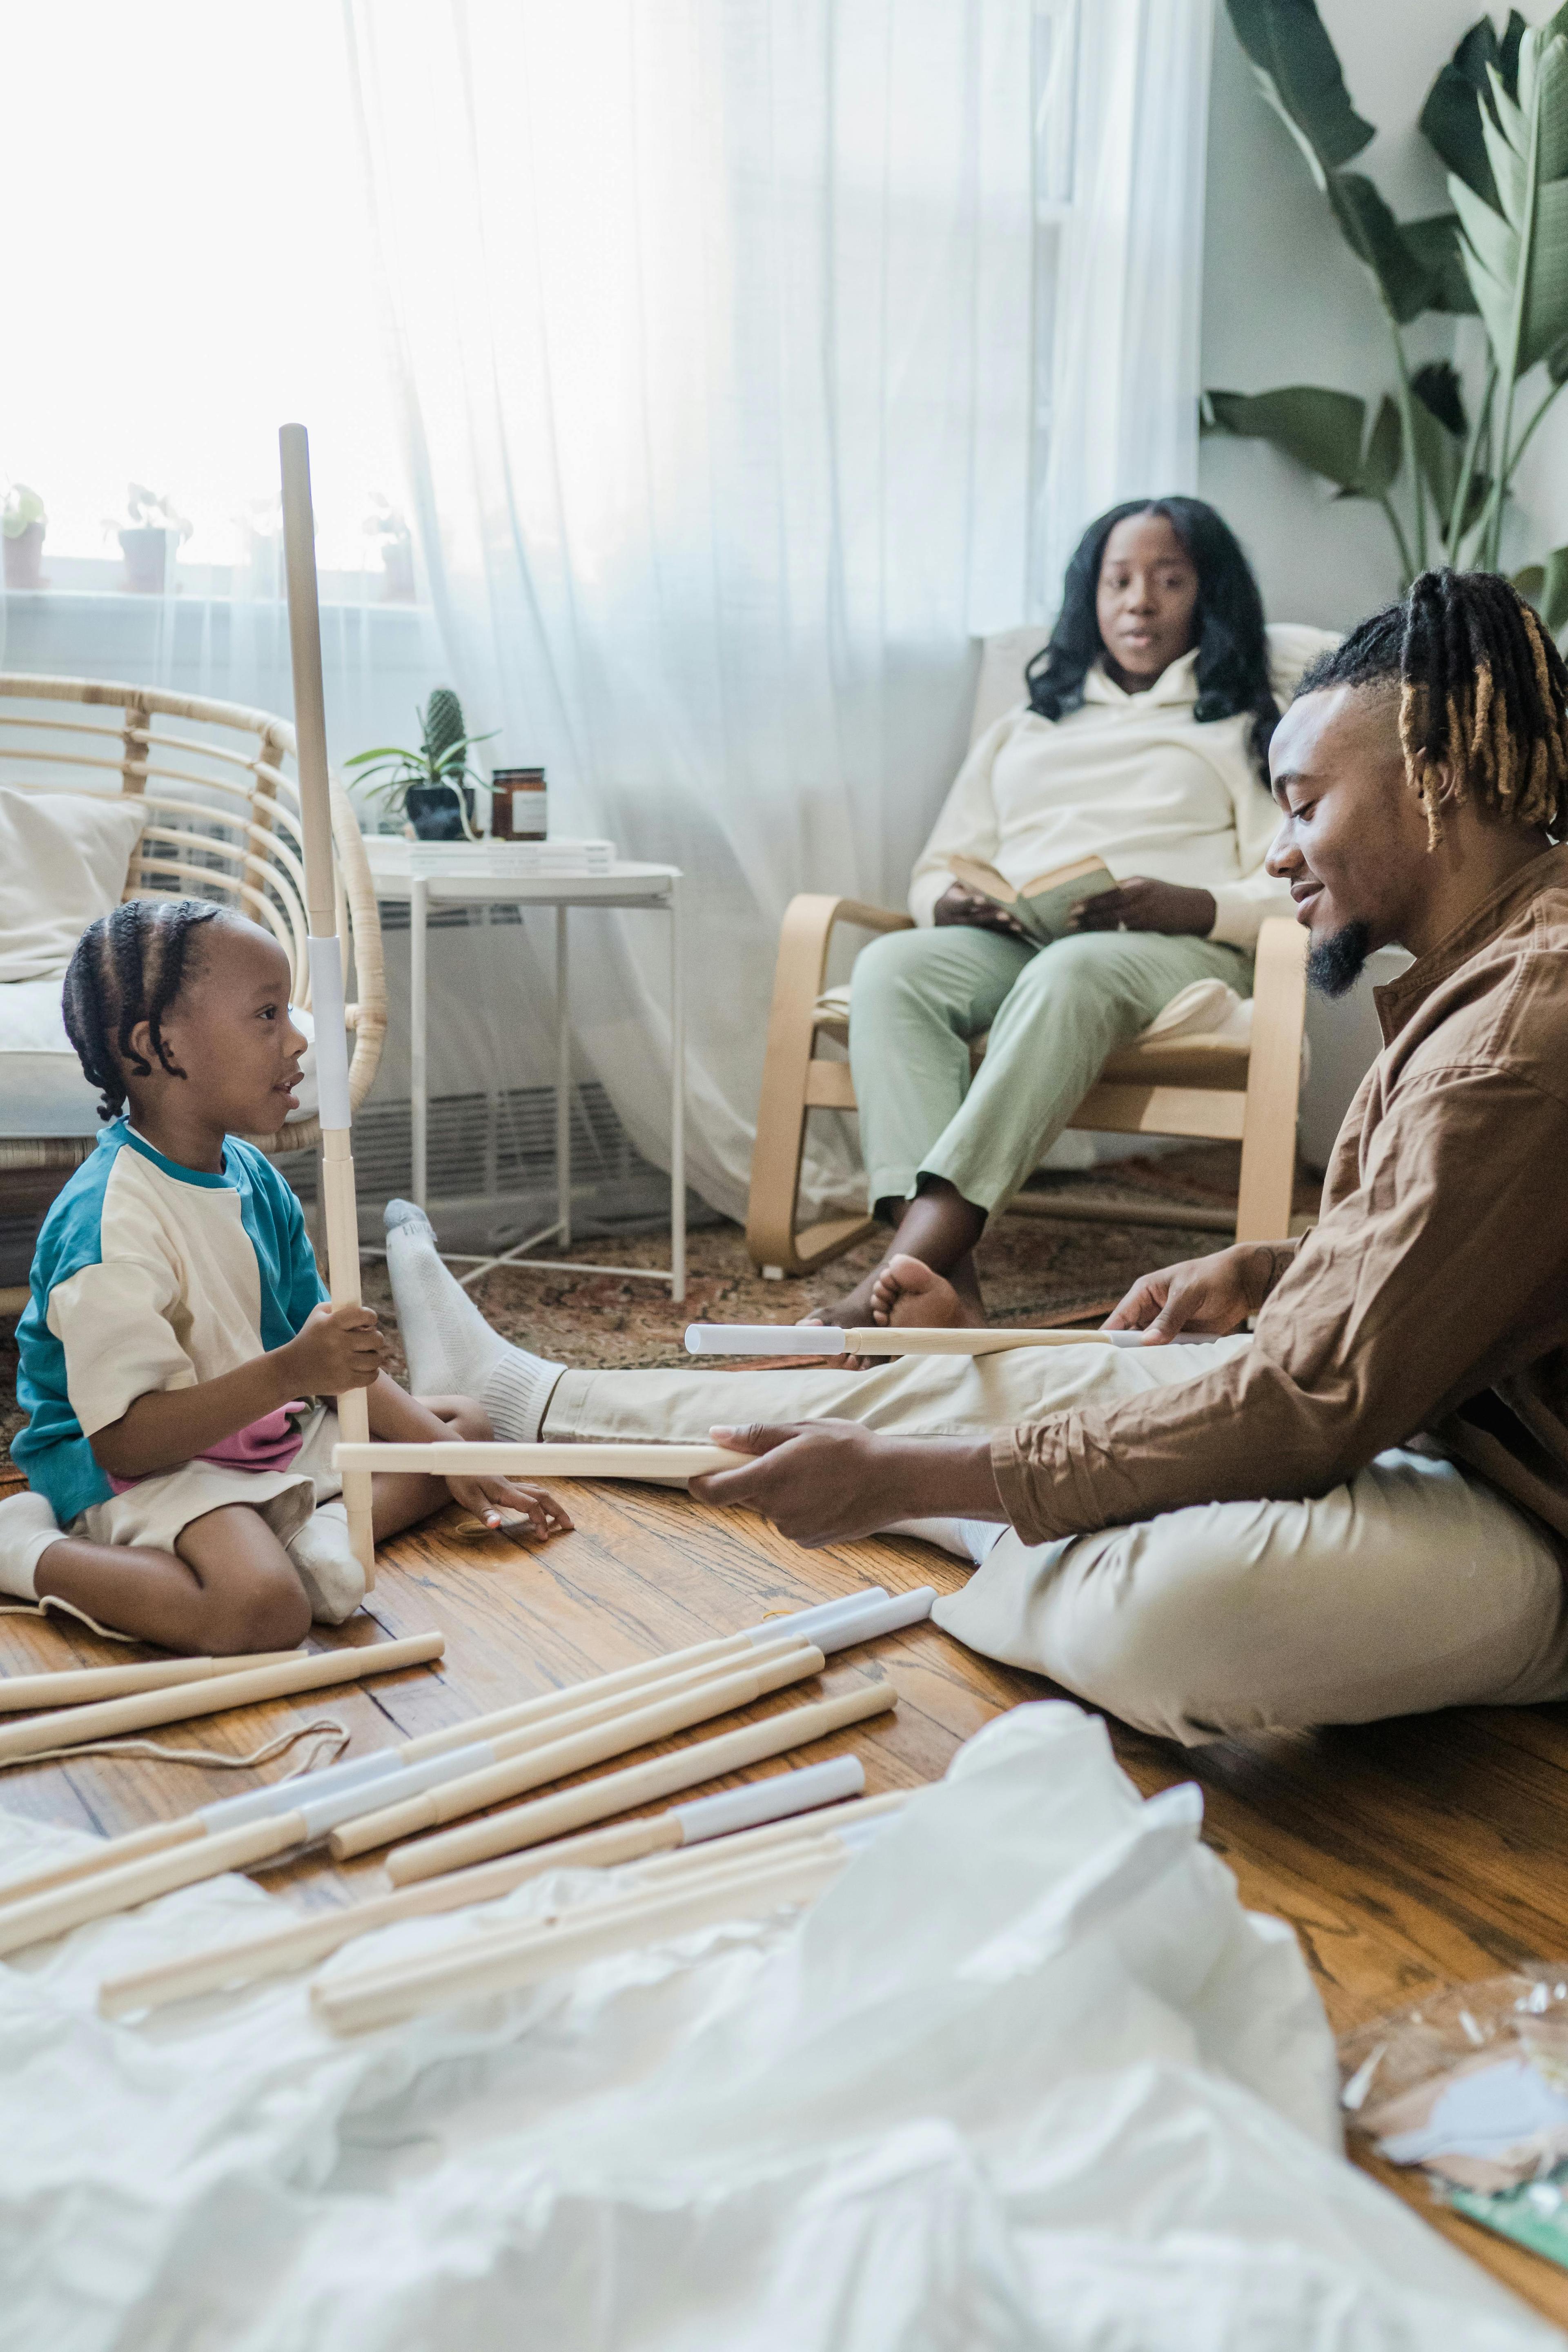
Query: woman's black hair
<point x="1233" y="651"/>
<point x="128" y="967"/>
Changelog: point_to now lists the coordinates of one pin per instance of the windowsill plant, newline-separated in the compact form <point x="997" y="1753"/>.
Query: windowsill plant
<point x="23" y="522"/>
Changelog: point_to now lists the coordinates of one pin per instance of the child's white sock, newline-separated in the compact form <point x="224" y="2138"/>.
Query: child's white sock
<point x="451" y="1350"/>
<point x="329" y="1570"/>
<point x="27" y="1527"/>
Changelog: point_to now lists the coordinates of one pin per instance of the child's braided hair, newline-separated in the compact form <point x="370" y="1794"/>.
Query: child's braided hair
<point x="127" y="967"/>
<point x="1482" y="687"/>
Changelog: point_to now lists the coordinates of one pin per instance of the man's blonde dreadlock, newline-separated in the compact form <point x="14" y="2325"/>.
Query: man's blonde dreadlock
<point x="1482" y="688"/>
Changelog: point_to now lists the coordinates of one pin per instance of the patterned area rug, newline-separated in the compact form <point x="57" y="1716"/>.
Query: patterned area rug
<point x="1034" y="1269"/>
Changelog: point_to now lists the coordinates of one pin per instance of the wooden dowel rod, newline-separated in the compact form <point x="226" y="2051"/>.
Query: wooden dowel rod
<point x="811" y="1342"/>
<point x="325" y="949"/>
<point x="549" y="1706"/>
<point x="113" y="1718"/>
<point x="44" y="1916"/>
<point x="80" y="1686"/>
<point x="670" y="1862"/>
<point x="661" y="1720"/>
<point x="684" y="1875"/>
<point x="531" y="1724"/>
<point x="108" y="1853"/>
<point x="502" y="1964"/>
<point x="636" y="1784"/>
<point x="304" y="1942"/>
<point x="873" y="1340"/>
<point x="441" y="1460"/>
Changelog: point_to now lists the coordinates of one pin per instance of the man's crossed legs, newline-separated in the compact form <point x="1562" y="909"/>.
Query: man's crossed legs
<point x="1413" y="1586"/>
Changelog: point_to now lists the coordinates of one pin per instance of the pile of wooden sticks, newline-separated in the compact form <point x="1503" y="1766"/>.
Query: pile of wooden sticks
<point x="425" y="1783"/>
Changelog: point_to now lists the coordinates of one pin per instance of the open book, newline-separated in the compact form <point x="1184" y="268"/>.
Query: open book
<point x="1042" y="907"/>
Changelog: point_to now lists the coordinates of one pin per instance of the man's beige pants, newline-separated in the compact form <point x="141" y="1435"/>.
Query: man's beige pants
<point x="1413" y="1586"/>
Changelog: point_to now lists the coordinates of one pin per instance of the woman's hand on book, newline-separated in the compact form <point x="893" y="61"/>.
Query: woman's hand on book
<point x="1140" y="905"/>
<point x="959" y="905"/>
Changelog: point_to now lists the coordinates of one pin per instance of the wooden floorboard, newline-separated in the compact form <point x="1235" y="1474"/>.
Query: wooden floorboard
<point x="1405" y="1856"/>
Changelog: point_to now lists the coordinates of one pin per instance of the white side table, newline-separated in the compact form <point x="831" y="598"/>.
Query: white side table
<point x="652" y="887"/>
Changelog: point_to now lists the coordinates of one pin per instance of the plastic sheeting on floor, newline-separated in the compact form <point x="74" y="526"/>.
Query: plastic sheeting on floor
<point x="1026" y="2076"/>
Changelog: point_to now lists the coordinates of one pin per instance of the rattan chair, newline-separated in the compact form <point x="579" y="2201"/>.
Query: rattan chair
<point x="1190" y="1087"/>
<point x="223" y="822"/>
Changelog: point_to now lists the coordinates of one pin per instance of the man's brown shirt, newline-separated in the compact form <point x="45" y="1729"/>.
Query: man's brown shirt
<point x="1432" y="1297"/>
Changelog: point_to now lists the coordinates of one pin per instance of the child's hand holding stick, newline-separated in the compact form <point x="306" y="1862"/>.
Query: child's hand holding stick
<point x="341" y="1348"/>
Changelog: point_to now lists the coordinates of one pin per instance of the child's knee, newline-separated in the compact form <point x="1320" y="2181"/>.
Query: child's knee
<point x="267" y="1609"/>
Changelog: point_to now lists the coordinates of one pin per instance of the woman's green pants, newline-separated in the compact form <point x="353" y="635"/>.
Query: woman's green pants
<point x="1055" y="1016"/>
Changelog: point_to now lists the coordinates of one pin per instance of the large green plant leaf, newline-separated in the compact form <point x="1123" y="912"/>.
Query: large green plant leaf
<point x="1439" y="429"/>
<point x="1299" y="75"/>
<point x="1461" y="96"/>
<point x="1546" y="585"/>
<point x="1435" y="242"/>
<point x="1492" y="239"/>
<point x="1438" y="387"/>
<point x="1325" y="431"/>
<point x="1375" y="237"/>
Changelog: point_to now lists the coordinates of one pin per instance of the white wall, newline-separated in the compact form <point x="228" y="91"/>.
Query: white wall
<point x="1284" y="302"/>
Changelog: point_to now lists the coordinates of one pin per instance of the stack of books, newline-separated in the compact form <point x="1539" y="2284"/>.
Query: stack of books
<point x="512" y="861"/>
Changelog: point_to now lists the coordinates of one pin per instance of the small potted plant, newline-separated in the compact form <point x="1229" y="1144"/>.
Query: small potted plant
<point x="144" y="539"/>
<point x="23" y="523"/>
<point x="387" y="527"/>
<point x="433" y="787"/>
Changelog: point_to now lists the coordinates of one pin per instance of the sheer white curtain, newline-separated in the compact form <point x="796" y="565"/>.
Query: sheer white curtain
<point x="730" y="377"/>
<point x="1127" y="267"/>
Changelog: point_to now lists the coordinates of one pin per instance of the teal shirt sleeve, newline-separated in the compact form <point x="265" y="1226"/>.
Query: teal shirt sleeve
<point x="291" y="1285"/>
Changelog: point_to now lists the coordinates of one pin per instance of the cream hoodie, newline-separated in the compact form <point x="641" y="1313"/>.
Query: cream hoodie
<point x="1130" y="778"/>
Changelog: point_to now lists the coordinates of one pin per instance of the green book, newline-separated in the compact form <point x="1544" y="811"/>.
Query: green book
<point x="1042" y="908"/>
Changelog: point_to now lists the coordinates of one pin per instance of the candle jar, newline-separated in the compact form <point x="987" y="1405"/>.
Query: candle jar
<point x="519" y="806"/>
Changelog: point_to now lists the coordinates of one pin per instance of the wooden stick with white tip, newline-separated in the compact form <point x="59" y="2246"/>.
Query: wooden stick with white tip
<point x="325" y="951"/>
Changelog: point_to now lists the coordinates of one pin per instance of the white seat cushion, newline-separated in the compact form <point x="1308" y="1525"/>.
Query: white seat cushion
<point x="1004" y="657"/>
<point x="42" y="1089"/>
<point x="64" y="857"/>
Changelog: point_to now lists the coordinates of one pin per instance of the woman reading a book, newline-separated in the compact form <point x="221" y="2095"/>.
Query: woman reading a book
<point x="1101" y="849"/>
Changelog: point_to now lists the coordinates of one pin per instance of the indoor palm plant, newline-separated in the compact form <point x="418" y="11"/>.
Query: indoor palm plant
<point x="1439" y="467"/>
<point x="432" y="787"/>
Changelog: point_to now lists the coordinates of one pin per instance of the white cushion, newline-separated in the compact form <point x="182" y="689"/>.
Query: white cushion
<point x="1004" y="657"/>
<point x="42" y="1089"/>
<point x="64" y="857"/>
<point x="1206" y="1008"/>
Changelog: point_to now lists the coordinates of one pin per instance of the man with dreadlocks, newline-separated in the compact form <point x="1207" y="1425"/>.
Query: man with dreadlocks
<point x="1362" y="1509"/>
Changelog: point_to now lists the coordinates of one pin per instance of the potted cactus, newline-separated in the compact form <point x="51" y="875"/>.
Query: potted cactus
<point x="23" y="523"/>
<point x="433" y="787"/>
<point x="144" y="539"/>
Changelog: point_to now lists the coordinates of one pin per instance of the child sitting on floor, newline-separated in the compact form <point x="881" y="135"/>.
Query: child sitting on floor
<point x="179" y="1347"/>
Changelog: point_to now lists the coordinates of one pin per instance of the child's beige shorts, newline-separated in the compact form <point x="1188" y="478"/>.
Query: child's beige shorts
<point x="154" y="1511"/>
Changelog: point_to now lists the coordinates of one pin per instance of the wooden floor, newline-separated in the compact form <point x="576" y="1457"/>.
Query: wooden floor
<point x="1405" y="1856"/>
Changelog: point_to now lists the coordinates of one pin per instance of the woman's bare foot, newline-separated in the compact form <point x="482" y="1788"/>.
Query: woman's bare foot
<point x="906" y="1294"/>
